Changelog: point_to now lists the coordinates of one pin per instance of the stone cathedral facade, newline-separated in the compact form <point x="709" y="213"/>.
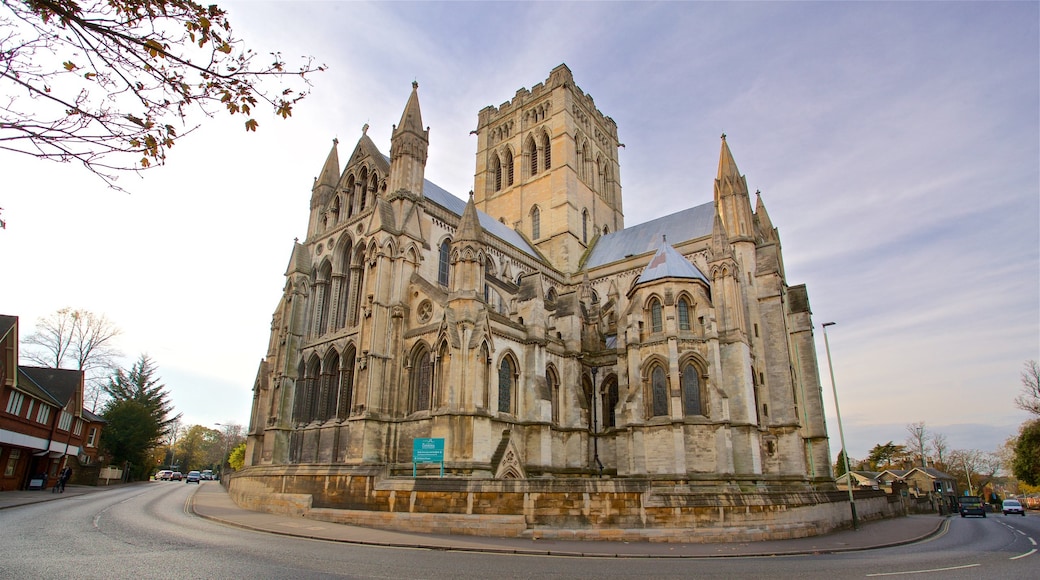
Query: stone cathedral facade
<point x="544" y="341"/>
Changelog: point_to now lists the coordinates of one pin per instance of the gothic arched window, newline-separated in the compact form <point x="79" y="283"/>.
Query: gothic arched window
<point x="346" y="383"/>
<point x="584" y="226"/>
<point x="656" y="323"/>
<point x="422" y="381"/>
<point x="536" y="223"/>
<point x="329" y="386"/>
<point x="553" y="384"/>
<point x="659" y="391"/>
<point x="507" y="166"/>
<point x="610" y="401"/>
<point x="506" y="378"/>
<point x="547" y="148"/>
<point x="691" y="388"/>
<point x="496" y="171"/>
<point x="444" y="263"/>
<point x="684" y="314"/>
<point x="531" y="151"/>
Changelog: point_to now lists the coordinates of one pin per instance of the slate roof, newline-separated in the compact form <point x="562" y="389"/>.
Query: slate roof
<point x="669" y="263"/>
<point x="59" y="384"/>
<point x="688" y="224"/>
<point x="438" y="195"/>
<point x="6" y="324"/>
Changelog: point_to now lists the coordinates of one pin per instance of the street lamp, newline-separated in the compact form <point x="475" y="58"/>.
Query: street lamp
<point x="841" y="430"/>
<point x="227" y="436"/>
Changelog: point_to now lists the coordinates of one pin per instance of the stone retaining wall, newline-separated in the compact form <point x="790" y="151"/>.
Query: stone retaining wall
<point x="594" y="509"/>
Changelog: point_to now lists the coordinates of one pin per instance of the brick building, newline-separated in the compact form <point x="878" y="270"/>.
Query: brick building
<point x="43" y="425"/>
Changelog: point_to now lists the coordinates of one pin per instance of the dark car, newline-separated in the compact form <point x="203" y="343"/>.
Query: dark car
<point x="1013" y="506"/>
<point x="176" y="476"/>
<point x="193" y="477"/>
<point x="971" y="505"/>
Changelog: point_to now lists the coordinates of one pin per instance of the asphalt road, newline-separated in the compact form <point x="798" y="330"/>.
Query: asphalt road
<point x="146" y="531"/>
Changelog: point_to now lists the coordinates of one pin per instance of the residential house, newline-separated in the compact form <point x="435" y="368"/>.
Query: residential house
<point x="43" y="425"/>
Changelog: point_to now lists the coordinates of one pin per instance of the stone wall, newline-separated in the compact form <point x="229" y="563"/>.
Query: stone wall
<point x="595" y="509"/>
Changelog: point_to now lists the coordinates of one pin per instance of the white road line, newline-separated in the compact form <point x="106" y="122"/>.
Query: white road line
<point x="924" y="571"/>
<point x="1032" y="541"/>
<point x="1029" y="553"/>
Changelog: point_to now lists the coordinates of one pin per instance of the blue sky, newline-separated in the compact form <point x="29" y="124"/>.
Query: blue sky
<point x="896" y="146"/>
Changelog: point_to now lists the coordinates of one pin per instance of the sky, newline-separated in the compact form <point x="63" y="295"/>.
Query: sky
<point x="896" y="146"/>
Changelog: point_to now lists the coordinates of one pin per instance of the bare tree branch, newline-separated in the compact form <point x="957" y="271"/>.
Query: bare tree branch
<point x="1029" y="399"/>
<point x="111" y="83"/>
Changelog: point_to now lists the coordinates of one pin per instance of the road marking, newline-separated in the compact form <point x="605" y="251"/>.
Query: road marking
<point x="1029" y="553"/>
<point x="925" y="571"/>
<point x="1032" y="541"/>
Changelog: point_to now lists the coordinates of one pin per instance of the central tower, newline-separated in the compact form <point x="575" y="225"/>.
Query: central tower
<point x="547" y="166"/>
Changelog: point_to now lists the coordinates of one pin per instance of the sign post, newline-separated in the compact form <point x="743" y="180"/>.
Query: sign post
<point x="427" y="451"/>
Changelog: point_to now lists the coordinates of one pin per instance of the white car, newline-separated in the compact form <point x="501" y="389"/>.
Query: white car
<point x="1013" y="506"/>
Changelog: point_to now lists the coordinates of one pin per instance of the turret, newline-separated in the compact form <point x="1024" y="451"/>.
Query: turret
<point x="409" y="147"/>
<point x="731" y="197"/>
<point x="323" y="190"/>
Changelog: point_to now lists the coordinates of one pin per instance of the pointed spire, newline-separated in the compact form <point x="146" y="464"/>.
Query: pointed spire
<point x="469" y="224"/>
<point x="765" y="225"/>
<point x="411" y="118"/>
<point x="330" y="171"/>
<point x="727" y="166"/>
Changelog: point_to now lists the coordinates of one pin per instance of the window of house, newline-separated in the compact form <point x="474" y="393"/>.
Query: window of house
<point x="43" y="414"/>
<point x="536" y="223"/>
<point x="12" y="462"/>
<point x="684" y="314"/>
<point x="443" y="264"/>
<point x="505" y="386"/>
<point x="14" y="403"/>
<point x="92" y="437"/>
<point x="656" y="324"/>
<point x="78" y="430"/>
<point x="659" y="392"/>
<point x="65" y="422"/>
<point x="691" y="387"/>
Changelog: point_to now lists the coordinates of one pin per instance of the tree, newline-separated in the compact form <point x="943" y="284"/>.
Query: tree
<point x="940" y="450"/>
<point x="883" y="456"/>
<point x="140" y="390"/>
<point x="1029" y="399"/>
<point x="1026" y="465"/>
<point x="79" y="339"/>
<point x="237" y="459"/>
<point x="917" y="441"/>
<point x="839" y="464"/>
<point x="195" y="445"/>
<point x="973" y="467"/>
<point x="108" y="83"/>
<point x="129" y="427"/>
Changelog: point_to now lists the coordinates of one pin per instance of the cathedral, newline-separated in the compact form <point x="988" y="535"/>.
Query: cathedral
<point x="531" y="331"/>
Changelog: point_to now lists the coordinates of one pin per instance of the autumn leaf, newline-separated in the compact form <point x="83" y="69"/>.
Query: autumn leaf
<point x="251" y="125"/>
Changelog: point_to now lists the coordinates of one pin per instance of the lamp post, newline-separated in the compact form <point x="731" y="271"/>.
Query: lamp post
<point x="223" y="457"/>
<point x="841" y="430"/>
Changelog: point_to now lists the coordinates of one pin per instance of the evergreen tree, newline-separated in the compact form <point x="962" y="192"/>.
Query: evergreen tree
<point x="1026" y="466"/>
<point x="839" y="465"/>
<point x="139" y="413"/>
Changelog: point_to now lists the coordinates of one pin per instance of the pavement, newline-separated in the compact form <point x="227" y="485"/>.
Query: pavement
<point x="211" y="501"/>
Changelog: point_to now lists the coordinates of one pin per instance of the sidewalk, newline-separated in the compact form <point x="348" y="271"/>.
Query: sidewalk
<point x="210" y="501"/>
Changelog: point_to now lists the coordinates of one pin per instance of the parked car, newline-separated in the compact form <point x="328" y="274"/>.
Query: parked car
<point x="164" y="475"/>
<point x="971" y="505"/>
<point x="207" y="475"/>
<point x="193" y="477"/>
<point x="1013" y="506"/>
<point x="176" y="476"/>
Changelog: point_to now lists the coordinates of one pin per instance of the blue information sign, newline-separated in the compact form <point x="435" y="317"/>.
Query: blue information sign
<point x="428" y="451"/>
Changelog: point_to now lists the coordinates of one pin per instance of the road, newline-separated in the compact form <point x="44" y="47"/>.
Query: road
<point x="147" y="531"/>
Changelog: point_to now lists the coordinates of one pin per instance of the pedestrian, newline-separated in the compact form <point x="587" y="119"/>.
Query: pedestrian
<point x="66" y="474"/>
